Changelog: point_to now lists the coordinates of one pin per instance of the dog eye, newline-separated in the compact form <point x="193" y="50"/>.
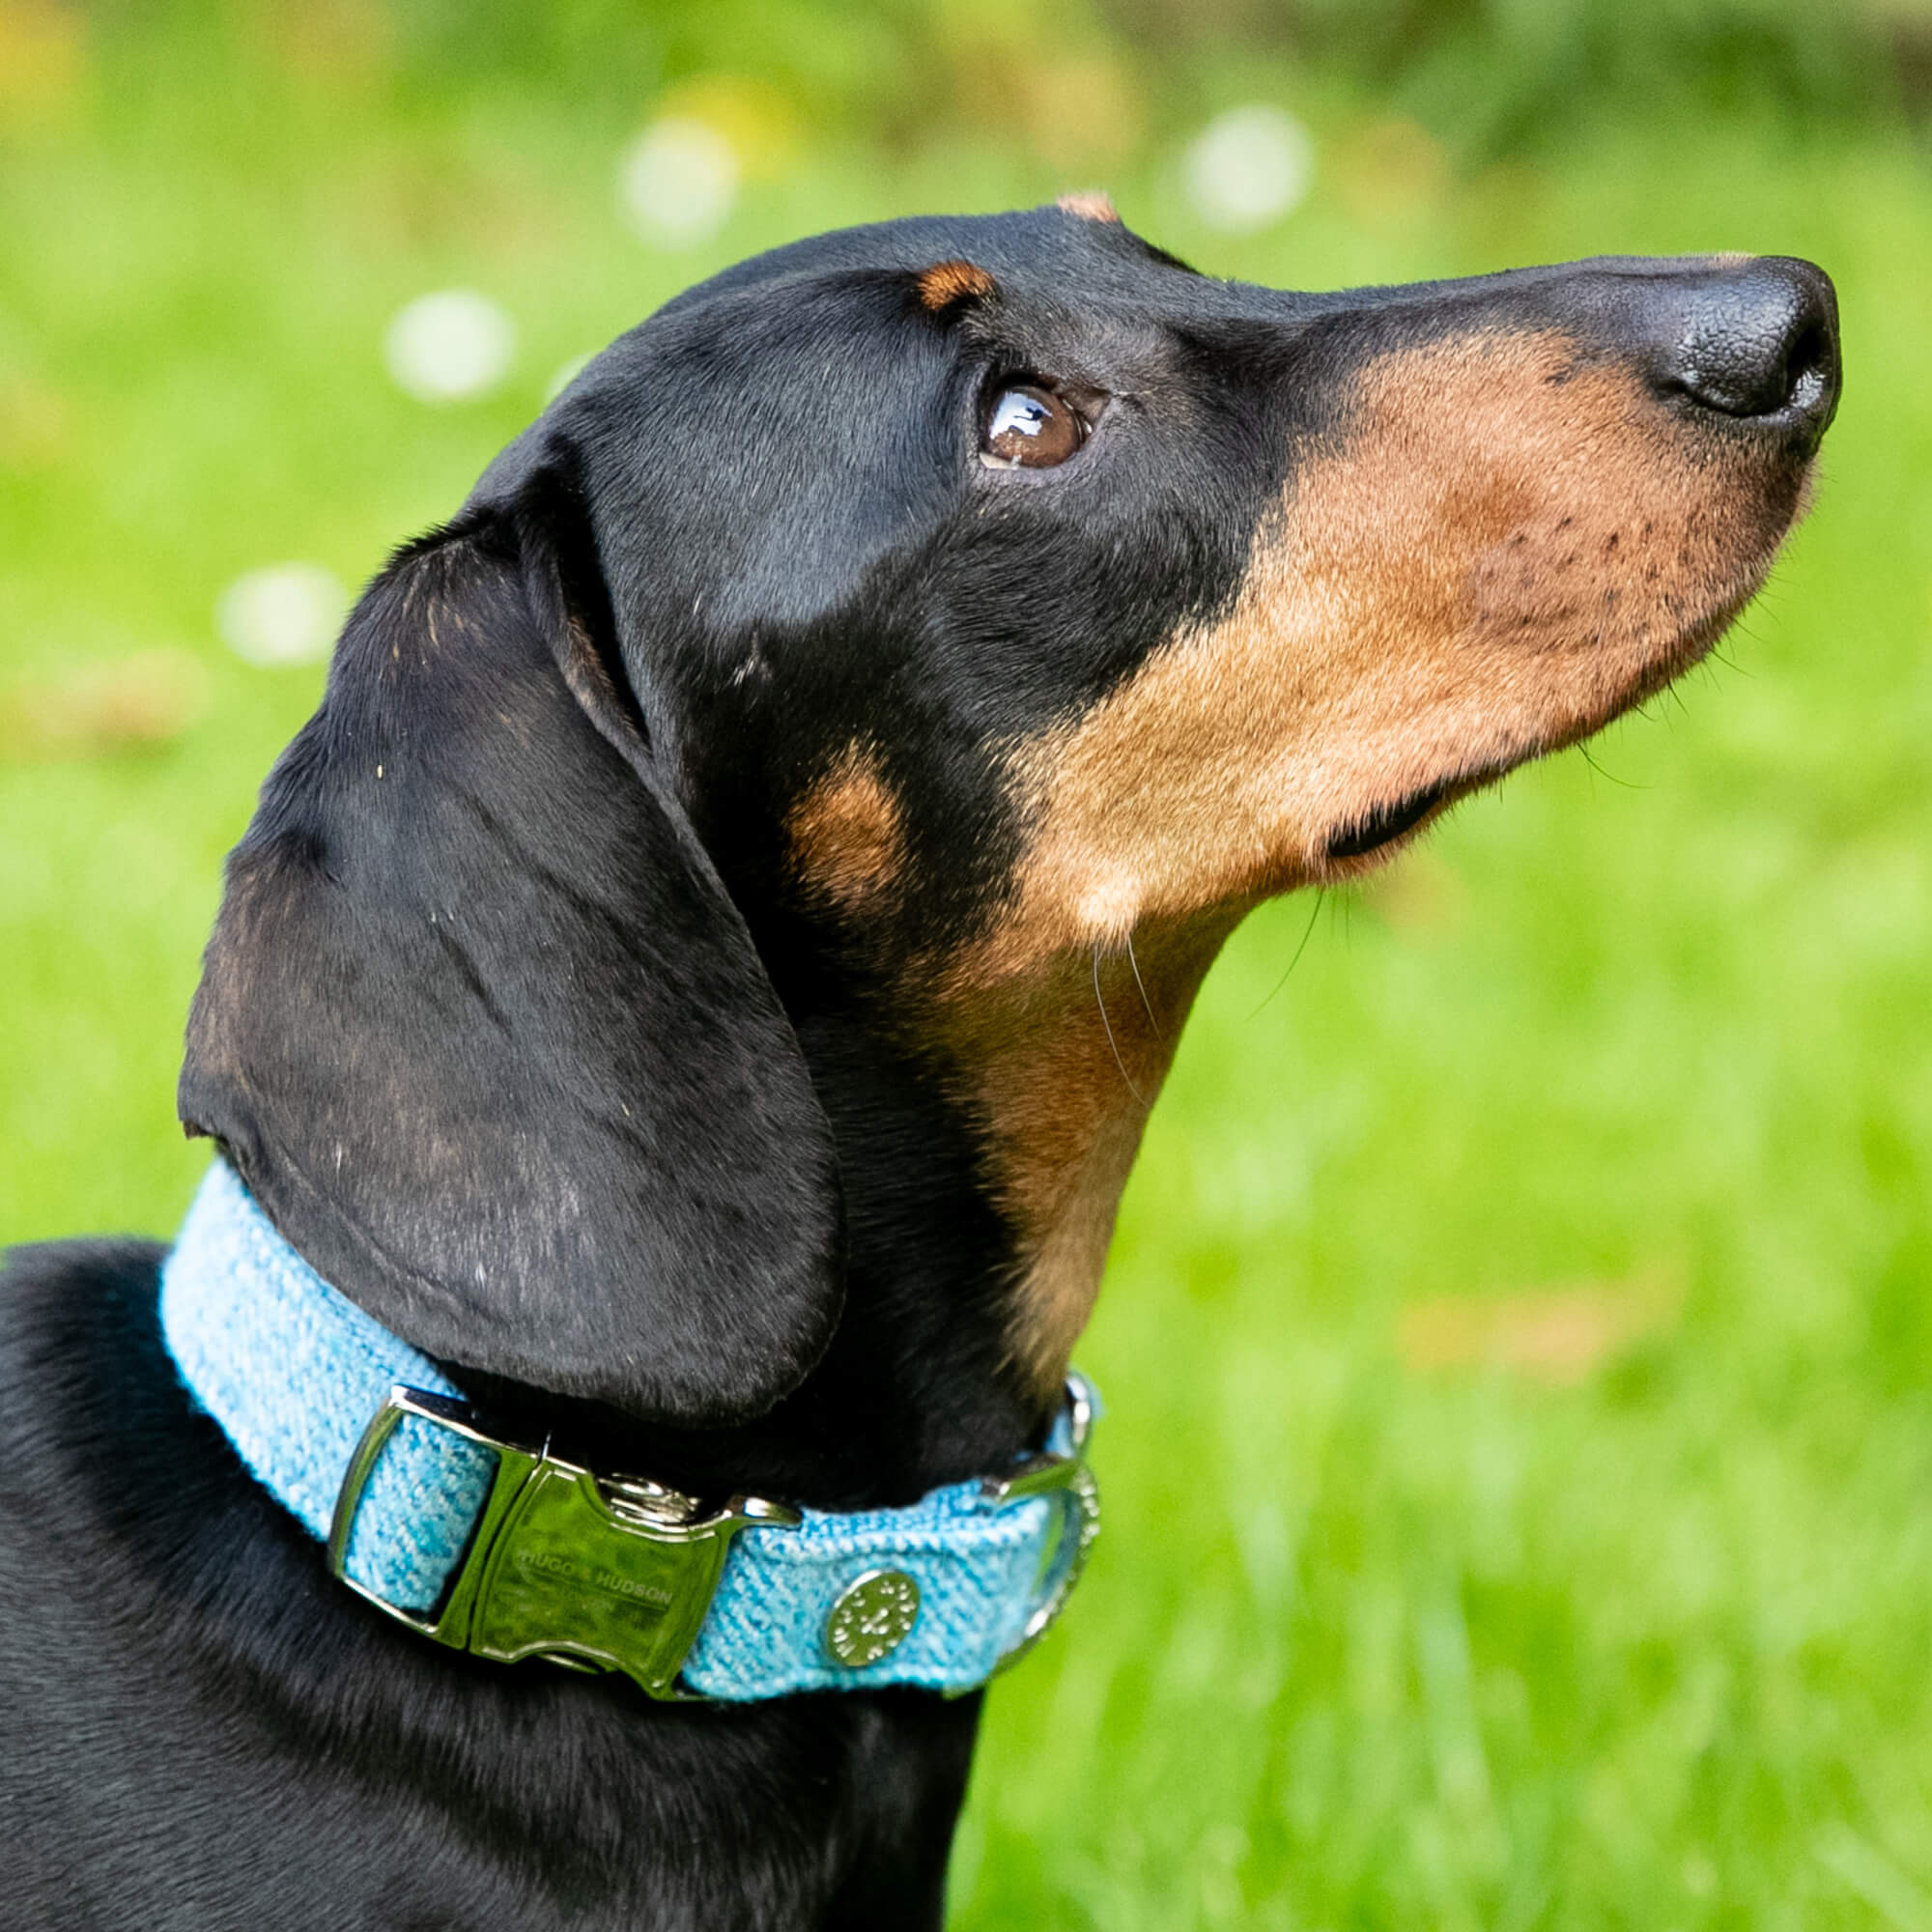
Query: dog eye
<point x="1031" y="428"/>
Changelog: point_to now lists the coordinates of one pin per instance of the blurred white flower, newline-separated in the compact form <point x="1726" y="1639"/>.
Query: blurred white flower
<point x="677" y="182"/>
<point x="444" y="347"/>
<point x="285" y="614"/>
<point x="1248" y="167"/>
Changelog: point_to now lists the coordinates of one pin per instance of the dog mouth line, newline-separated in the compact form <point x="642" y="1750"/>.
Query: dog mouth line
<point x="1386" y="823"/>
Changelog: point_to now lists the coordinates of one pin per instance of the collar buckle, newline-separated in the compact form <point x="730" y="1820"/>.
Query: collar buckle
<point x="596" y="1573"/>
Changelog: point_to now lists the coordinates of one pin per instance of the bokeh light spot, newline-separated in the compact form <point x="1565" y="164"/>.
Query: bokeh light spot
<point x="677" y="182"/>
<point x="284" y="614"/>
<point x="450" y="345"/>
<point x="1249" y="167"/>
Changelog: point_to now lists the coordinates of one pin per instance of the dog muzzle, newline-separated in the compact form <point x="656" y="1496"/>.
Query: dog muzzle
<point x="507" y="1550"/>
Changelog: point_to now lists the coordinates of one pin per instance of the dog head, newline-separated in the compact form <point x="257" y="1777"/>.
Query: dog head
<point x="923" y="643"/>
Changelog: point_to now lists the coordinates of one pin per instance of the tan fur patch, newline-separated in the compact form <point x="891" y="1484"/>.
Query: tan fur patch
<point x="1502" y="553"/>
<point x="847" y="839"/>
<point x="1089" y="204"/>
<point x="947" y="282"/>
<point x="1060" y="1071"/>
<point x="1501" y="548"/>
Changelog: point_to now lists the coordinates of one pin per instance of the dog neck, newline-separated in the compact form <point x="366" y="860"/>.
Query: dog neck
<point x="985" y="1123"/>
<point x="1057" y="1066"/>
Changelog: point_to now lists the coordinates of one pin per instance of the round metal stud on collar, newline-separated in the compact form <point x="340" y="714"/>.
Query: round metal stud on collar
<point x="872" y="1617"/>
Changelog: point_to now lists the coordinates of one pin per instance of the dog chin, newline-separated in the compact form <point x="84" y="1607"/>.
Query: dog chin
<point x="1372" y="834"/>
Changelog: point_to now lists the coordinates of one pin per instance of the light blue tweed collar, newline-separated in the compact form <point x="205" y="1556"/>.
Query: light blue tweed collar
<point x="511" y="1552"/>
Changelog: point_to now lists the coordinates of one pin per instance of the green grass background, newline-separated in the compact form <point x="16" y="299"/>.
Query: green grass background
<point x="1374" y="1639"/>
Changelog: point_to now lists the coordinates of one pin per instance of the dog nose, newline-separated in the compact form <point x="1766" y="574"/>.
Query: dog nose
<point x="1757" y="341"/>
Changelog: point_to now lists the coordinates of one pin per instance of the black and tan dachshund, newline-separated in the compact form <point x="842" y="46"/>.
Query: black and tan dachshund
<point x="700" y="974"/>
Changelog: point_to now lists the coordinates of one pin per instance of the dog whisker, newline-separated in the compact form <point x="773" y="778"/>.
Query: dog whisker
<point x="1608" y="776"/>
<point x="1100" y="1000"/>
<point x="1307" y="933"/>
<point x="1152" y="1021"/>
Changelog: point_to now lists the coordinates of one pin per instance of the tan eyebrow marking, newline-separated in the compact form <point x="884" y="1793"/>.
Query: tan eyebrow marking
<point x="947" y="282"/>
<point x="846" y="838"/>
<point x="1089" y="204"/>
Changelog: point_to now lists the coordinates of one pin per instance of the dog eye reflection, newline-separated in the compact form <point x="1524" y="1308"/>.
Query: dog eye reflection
<point x="1031" y="428"/>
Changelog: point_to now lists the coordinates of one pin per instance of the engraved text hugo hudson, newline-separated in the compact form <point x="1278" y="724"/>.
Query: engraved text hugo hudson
<point x="548" y="1564"/>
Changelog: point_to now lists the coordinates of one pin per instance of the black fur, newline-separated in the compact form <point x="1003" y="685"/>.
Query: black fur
<point x="520" y="1025"/>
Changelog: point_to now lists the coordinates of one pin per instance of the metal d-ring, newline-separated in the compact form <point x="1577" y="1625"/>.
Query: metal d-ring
<point x="1066" y="1479"/>
<point x="1080" y="1502"/>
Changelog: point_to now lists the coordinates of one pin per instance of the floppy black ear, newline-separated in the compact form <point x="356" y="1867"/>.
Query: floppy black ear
<point x="481" y="1025"/>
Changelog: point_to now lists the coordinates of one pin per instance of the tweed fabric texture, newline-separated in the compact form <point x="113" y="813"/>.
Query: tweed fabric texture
<point x="977" y="1567"/>
<point x="293" y="1370"/>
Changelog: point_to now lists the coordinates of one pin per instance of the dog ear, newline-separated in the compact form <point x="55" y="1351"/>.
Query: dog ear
<point x="481" y="1025"/>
